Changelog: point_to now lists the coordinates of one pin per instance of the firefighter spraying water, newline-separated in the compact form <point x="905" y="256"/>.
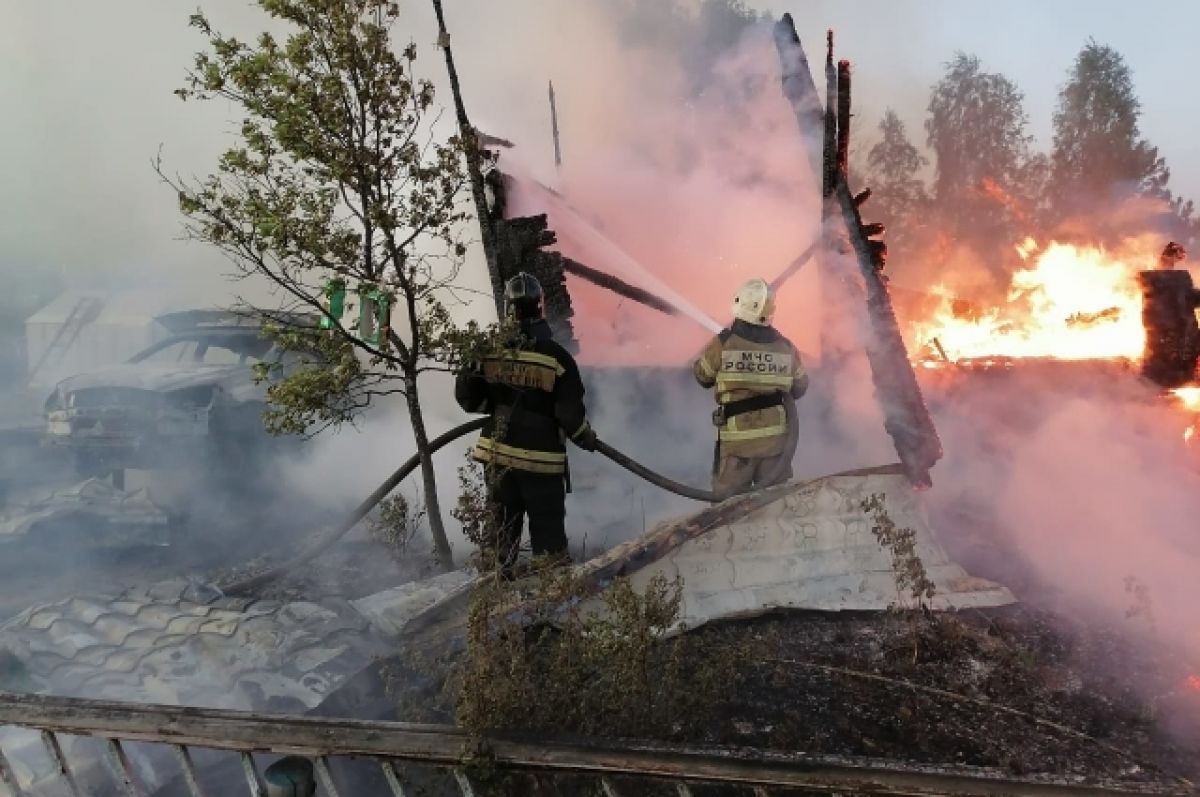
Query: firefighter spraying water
<point x="757" y="375"/>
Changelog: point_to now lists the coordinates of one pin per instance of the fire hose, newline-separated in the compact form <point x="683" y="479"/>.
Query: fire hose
<point x="382" y="491"/>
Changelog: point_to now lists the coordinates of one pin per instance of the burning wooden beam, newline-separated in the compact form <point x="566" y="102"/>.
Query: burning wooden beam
<point x="906" y="418"/>
<point x="1169" y="302"/>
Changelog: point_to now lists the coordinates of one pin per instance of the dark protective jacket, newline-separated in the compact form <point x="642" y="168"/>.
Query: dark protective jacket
<point x="744" y="361"/>
<point x="534" y="395"/>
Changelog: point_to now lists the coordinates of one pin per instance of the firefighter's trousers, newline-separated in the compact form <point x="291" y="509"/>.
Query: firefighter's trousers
<point x="740" y="474"/>
<point x="541" y="497"/>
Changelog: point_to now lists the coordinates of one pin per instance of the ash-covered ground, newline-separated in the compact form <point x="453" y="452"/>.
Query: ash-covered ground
<point x="1026" y="689"/>
<point x="1048" y="687"/>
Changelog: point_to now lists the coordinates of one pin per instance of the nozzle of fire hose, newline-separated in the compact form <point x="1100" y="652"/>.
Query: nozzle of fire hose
<point x="871" y="230"/>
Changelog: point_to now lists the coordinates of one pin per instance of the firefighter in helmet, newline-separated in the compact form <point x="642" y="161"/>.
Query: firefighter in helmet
<point x="754" y="370"/>
<point x="532" y="391"/>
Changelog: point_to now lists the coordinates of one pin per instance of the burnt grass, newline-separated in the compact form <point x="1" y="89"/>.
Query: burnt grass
<point x="1044" y="687"/>
<point x="1020" y="689"/>
<point x="1024" y="690"/>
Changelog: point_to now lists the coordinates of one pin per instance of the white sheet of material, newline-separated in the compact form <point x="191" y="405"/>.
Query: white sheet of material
<point x="813" y="548"/>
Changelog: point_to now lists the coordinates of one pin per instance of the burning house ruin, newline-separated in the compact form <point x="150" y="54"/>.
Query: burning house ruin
<point x="811" y="545"/>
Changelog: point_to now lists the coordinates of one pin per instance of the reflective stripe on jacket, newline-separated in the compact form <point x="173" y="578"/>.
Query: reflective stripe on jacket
<point x="534" y="395"/>
<point x="744" y="361"/>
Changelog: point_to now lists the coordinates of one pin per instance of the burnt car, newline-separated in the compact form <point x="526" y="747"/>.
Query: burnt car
<point x="193" y="397"/>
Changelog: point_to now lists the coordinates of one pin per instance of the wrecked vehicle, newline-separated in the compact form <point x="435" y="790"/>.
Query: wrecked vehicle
<point x="192" y="395"/>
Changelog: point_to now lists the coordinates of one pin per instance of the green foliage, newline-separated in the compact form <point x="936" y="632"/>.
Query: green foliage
<point x="912" y="581"/>
<point x="985" y="178"/>
<point x="895" y="164"/>
<point x="894" y="173"/>
<point x="1097" y="144"/>
<point x="396" y="523"/>
<point x="335" y="174"/>
<point x="324" y="384"/>
<point x="536" y="661"/>
<point x="1099" y="153"/>
<point x="473" y="511"/>
<point x="976" y="128"/>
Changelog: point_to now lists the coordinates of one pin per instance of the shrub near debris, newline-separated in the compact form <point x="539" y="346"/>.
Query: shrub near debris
<point x="537" y="660"/>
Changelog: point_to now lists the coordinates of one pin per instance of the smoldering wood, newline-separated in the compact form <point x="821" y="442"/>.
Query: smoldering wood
<point x="829" y="150"/>
<point x="799" y="89"/>
<point x="843" y="119"/>
<point x="520" y="246"/>
<point x="1169" y="302"/>
<point x="906" y="416"/>
<point x="314" y="737"/>
<point x="521" y="243"/>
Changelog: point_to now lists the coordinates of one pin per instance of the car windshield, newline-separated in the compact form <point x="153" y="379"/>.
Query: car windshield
<point x="209" y="350"/>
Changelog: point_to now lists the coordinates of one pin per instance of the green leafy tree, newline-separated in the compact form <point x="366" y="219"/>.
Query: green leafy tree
<point x="893" y="171"/>
<point x="977" y="131"/>
<point x="337" y="179"/>
<point x="1098" y="147"/>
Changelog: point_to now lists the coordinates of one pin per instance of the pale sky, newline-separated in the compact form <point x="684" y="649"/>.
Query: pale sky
<point x="898" y="48"/>
<point x="85" y="95"/>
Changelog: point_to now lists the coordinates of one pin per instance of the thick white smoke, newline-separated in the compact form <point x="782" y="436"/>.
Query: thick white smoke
<point x="704" y="189"/>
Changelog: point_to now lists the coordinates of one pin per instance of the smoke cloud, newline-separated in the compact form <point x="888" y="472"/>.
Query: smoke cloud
<point x="1086" y="471"/>
<point x="702" y="188"/>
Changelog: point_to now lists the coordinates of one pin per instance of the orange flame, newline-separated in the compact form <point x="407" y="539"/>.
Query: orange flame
<point x="1189" y="397"/>
<point x="1070" y="302"/>
<point x="1193" y="683"/>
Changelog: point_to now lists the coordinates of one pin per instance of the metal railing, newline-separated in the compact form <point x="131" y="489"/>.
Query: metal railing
<point x="392" y="747"/>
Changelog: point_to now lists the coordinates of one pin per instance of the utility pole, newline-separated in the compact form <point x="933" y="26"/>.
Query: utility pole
<point x="554" y="128"/>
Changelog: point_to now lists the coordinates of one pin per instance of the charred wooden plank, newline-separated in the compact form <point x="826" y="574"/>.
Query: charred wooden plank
<point x="800" y="90"/>
<point x="1169" y="302"/>
<point x="842" y="165"/>
<point x="906" y="417"/>
<point x="436" y="744"/>
<point x="521" y="243"/>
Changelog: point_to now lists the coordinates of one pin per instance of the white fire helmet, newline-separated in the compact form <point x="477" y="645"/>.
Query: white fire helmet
<point x="754" y="303"/>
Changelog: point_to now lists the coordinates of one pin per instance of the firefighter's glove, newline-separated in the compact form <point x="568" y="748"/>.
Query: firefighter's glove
<point x="585" y="438"/>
